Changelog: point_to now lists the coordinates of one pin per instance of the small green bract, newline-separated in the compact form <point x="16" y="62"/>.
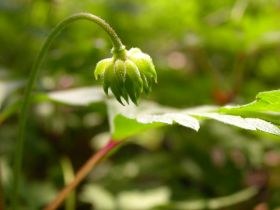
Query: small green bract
<point x="127" y="74"/>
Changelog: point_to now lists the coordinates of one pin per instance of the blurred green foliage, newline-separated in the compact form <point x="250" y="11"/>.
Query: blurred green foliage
<point x="205" y="52"/>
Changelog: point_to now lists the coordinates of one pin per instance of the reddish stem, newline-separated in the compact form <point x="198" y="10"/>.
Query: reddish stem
<point x="82" y="173"/>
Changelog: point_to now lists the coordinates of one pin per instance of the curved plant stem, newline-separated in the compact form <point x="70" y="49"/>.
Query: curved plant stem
<point x="221" y="202"/>
<point x="117" y="46"/>
<point x="82" y="173"/>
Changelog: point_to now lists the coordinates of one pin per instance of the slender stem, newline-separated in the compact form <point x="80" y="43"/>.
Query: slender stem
<point x="117" y="46"/>
<point x="219" y="203"/>
<point x="2" y="206"/>
<point x="68" y="176"/>
<point x="82" y="173"/>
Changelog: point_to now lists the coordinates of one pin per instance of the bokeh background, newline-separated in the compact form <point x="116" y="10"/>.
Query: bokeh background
<point x="205" y="52"/>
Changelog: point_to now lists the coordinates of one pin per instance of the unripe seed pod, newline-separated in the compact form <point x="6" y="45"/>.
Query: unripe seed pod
<point x="101" y="68"/>
<point x="108" y="77"/>
<point x="143" y="62"/>
<point x="127" y="74"/>
<point x="120" y="69"/>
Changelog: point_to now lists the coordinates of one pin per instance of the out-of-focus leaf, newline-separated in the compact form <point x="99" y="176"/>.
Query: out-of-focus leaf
<point x="98" y="196"/>
<point x="8" y="111"/>
<point x="102" y="199"/>
<point x="78" y="96"/>
<point x="40" y="194"/>
<point x="7" y="87"/>
<point x="144" y="199"/>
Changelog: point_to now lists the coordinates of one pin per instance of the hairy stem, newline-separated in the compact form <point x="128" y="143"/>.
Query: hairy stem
<point x="82" y="173"/>
<point x="117" y="46"/>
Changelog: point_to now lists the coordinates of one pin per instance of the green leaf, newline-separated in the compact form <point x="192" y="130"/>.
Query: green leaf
<point x="124" y="127"/>
<point x="98" y="196"/>
<point x="266" y="106"/>
<point x="131" y="120"/>
<point x="265" y="102"/>
<point x="245" y="123"/>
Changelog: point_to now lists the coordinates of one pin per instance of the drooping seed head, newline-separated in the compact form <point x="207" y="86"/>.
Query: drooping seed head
<point x="127" y="74"/>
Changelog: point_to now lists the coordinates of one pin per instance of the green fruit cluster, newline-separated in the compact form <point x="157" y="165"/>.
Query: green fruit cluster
<point x="127" y="74"/>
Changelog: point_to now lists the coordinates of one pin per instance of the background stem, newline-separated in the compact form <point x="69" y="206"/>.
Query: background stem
<point x="68" y="176"/>
<point x="82" y="173"/>
<point x="219" y="203"/>
<point x="33" y="75"/>
<point x="2" y="207"/>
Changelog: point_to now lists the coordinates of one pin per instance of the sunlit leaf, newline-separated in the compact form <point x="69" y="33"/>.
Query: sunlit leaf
<point x="130" y="120"/>
<point x="266" y="106"/>
<point x="147" y="199"/>
<point x="265" y="102"/>
<point x="98" y="196"/>
<point x="78" y="96"/>
<point x="245" y="123"/>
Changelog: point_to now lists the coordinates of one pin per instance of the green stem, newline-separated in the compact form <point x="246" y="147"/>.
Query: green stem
<point x="68" y="176"/>
<point x="117" y="46"/>
<point x="221" y="202"/>
<point x="2" y="206"/>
